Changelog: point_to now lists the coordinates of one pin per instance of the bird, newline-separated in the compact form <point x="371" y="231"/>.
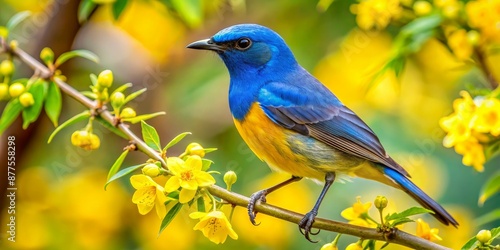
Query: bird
<point x="296" y="125"/>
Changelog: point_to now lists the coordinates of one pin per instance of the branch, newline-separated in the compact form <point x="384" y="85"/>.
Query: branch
<point x="398" y="237"/>
<point x="483" y="65"/>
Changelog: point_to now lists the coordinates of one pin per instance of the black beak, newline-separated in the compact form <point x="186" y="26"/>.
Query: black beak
<point x="206" y="44"/>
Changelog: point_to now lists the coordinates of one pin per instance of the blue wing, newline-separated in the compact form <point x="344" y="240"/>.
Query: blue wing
<point x="311" y="109"/>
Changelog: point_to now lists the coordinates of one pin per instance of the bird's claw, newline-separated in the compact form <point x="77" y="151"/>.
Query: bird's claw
<point x="254" y="198"/>
<point x="305" y="226"/>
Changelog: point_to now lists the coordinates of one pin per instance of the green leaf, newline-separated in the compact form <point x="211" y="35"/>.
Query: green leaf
<point x="176" y="140"/>
<point x="408" y="212"/>
<point x="495" y="233"/>
<point x="169" y="217"/>
<point x="150" y="136"/>
<point x="205" y="164"/>
<point x="77" y="118"/>
<point x="53" y="103"/>
<point x="401" y="221"/>
<point x="122" y="173"/>
<point x="122" y="88"/>
<point x="471" y="244"/>
<point x="110" y="127"/>
<point x="189" y="10"/>
<point x="208" y="150"/>
<point x="93" y="79"/>
<point x="116" y="165"/>
<point x="89" y="94"/>
<point x="85" y="9"/>
<point x="10" y="113"/>
<point x="201" y="204"/>
<point x="492" y="149"/>
<point x="422" y="24"/>
<point x="145" y="117"/>
<point x="118" y="7"/>
<point x="16" y="19"/>
<point x="491" y="187"/>
<point x="76" y="53"/>
<point x="31" y="113"/>
<point x="134" y="95"/>
<point x="489" y="217"/>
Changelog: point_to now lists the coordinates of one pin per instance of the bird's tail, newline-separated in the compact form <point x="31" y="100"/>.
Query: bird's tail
<point x="419" y="195"/>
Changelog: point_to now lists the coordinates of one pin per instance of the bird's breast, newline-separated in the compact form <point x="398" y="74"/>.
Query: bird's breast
<point x="287" y="151"/>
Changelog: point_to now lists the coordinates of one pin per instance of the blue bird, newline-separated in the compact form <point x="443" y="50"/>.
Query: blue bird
<point x="296" y="125"/>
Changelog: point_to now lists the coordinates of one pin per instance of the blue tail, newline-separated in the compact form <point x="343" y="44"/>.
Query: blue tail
<point x="419" y="195"/>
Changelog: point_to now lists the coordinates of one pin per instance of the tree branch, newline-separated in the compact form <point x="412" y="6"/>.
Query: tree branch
<point x="398" y="237"/>
<point x="483" y="65"/>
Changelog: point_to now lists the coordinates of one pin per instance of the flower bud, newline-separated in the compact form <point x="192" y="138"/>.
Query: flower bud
<point x="380" y="202"/>
<point x="4" y="32"/>
<point x="14" y="44"/>
<point x="16" y="89"/>
<point x="473" y="37"/>
<point x="47" y="55"/>
<point x="195" y="149"/>
<point x="26" y="99"/>
<point x="151" y="170"/>
<point x="6" y="67"/>
<point x="329" y="246"/>
<point x="422" y="8"/>
<point x="230" y="178"/>
<point x="354" y="246"/>
<point x="483" y="236"/>
<point x="128" y="113"/>
<point x="117" y="100"/>
<point x="105" y="79"/>
<point x="4" y="91"/>
<point x="85" y="140"/>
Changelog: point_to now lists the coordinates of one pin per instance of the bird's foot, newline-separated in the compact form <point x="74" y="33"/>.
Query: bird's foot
<point x="254" y="198"/>
<point x="305" y="225"/>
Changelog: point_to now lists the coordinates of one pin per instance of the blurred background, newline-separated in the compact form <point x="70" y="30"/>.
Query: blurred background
<point x="61" y="202"/>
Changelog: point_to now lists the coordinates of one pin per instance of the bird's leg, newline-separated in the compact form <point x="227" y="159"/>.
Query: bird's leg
<point x="261" y="196"/>
<point x="305" y="225"/>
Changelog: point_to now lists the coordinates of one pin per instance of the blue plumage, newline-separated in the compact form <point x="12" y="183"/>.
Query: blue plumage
<point x="295" y="124"/>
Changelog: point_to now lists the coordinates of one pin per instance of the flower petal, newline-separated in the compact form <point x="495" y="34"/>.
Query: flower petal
<point x="194" y="162"/>
<point x="186" y="195"/>
<point x="140" y="180"/>
<point x="197" y="215"/>
<point x="161" y="209"/>
<point x="204" y="179"/>
<point x="172" y="184"/>
<point x="145" y="199"/>
<point x="189" y="184"/>
<point x="175" y="165"/>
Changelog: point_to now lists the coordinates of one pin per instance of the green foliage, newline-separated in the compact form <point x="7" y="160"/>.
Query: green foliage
<point x="31" y="113"/>
<point x="118" y="7"/>
<point x="123" y="173"/>
<point x="53" y="104"/>
<point x="76" y="53"/>
<point x="17" y="19"/>
<point x="77" y="118"/>
<point x="118" y="163"/>
<point x="150" y="136"/>
<point x="170" y="215"/>
<point x="85" y="9"/>
<point x="176" y="140"/>
<point x="473" y="243"/>
<point x="10" y="113"/>
<point x="141" y="118"/>
<point x="491" y="187"/>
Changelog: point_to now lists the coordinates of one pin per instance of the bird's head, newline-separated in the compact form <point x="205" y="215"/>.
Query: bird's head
<point x="248" y="48"/>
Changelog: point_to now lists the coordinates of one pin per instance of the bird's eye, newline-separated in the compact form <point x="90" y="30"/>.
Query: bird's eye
<point x="243" y="44"/>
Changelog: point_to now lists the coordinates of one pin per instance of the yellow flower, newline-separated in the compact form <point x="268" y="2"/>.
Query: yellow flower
<point x="460" y="44"/>
<point x="487" y="117"/>
<point x="214" y="226"/>
<point x="425" y="232"/>
<point x="484" y="15"/>
<point x="458" y="124"/>
<point x="188" y="175"/>
<point x="357" y="214"/>
<point x="376" y="13"/>
<point x="148" y="194"/>
<point x="473" y="153"/>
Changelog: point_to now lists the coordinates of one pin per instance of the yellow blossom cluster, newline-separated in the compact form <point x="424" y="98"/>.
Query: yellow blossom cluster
<point x="474" y="123"/>
<point x="484" y="15"/>
<point x="186" y="175"/>
<point x="358" y="214"/>
<point x="376" y="14"/>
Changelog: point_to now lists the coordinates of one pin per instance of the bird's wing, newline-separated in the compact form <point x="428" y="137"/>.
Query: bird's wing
<point x="314" y="111"/>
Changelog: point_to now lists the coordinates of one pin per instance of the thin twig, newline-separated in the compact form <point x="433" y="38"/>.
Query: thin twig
<point x="398" y="237"/>
<point x="483" y="65"/>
